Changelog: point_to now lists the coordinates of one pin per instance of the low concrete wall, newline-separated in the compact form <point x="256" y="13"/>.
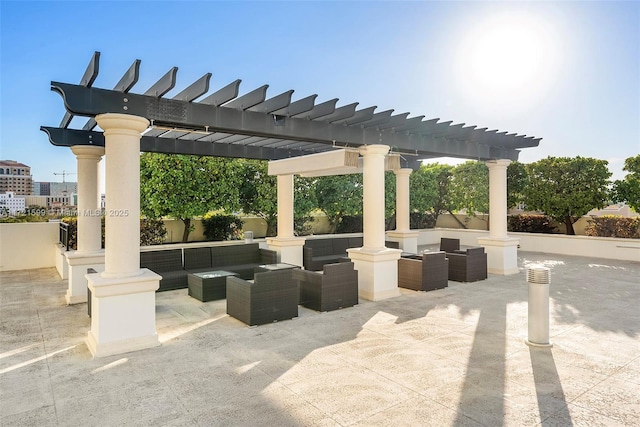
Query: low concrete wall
<point x="600" y="247"/>
<point x="28" y="245"/>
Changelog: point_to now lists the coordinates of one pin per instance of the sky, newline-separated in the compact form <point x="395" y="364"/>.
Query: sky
<point x="565" y="71"/>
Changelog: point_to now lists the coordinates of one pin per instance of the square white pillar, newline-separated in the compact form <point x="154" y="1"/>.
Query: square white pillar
<point x="377" y="273"/>
<point x="502" y="255"/>
<point x="289" y="249"/>
<point x="408" y="240"/>
<point x="123" y="313"/>
<point x="78" y="265"/>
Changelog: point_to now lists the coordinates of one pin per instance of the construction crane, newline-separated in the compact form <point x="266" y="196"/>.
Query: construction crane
<point x="64" y="174"/>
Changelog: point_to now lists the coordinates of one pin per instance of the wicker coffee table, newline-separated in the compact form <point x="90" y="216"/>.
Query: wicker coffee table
<point x="208" y="285"/>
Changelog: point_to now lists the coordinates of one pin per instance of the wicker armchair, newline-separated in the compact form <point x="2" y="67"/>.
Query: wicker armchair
<point x="273" y="296"/>
<point x="333" y="288"/>
<point x="449" y="245"/>
<point x="468" y="266"/>
<point x="424" y="273"/>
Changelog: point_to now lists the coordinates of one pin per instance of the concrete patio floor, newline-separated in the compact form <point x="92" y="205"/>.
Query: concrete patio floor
<point x="444" y="358"/>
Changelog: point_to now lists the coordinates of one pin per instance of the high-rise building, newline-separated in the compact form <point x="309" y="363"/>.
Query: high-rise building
<point x="15" y="177"/>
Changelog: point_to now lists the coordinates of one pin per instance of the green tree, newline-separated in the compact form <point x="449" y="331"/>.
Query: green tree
<point x="516" y="183"/>
<point x="567" y="188"/>
<point x="469" y="188"/>
<point x="259" y="195"/>
<point x="339" y="196"/>
<point x="429" y="188"/>
<point x="628" y="189"/>
<point x="185" y="186"/>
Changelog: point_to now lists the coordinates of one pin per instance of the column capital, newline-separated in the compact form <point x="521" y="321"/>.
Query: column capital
<point x="112" y="121"/>
<point x="403" y="171"/>
<point x="498" y="163"/>
<point x="87" y="152"/>
<point x="374" y="149"/>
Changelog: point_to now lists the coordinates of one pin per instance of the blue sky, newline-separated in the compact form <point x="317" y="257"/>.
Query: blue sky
<point x="565" y="71"/>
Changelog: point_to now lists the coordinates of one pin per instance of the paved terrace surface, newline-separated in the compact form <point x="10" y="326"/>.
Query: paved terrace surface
<point x="444" y="358"/>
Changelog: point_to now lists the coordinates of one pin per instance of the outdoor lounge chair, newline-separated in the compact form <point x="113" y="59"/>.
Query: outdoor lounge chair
<point x="468" y="266"/>
<point x="273" y="296"/>
<point x="449" y="245"/>
<point x="333" y="288"/>
<point x="425" y="272"/>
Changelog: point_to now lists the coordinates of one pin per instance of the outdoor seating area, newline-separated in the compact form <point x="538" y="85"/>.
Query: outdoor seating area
<point x="174" y="265"/>
<point x="455" y="356"/>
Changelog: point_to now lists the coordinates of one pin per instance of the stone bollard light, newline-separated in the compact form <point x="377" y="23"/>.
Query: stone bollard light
<point x="538" y="278"/>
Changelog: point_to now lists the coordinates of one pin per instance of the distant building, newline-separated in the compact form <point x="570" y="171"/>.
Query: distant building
<point x="10" y="204"/>
<point x="41" y="188"/>
<point x="620" y="209"/>
<point x="15" y="177"/>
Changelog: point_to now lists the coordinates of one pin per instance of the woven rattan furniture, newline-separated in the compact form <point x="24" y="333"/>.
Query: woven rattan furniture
<point x="333" y="288"/>
<point x="425" y="272"/>
<point x="449" y="245"/>
<point x="240" y="259"/>
<point x="271" y="297"/>
<point x="168" y="264"/>
<point x="318" y="252"/>
<point x="468" y="266"/>
<point x="208" y="286"/>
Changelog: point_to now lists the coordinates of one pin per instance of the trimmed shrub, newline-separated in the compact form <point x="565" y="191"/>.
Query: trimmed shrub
<point x="222" y="227"/>
<point x="418" y="220"/>
<point x="614" y="226"/>
<point x="527" y="223"/>
<point x="152" y="231"/>
<point x="302" y="225"/>
<point x="350" y="224"/>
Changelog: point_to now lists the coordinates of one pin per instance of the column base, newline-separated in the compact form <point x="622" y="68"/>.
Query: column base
<point x="289" y="249"/>
<point x="502" y="254"/>
<point x="123" y="313"/>
<point x="408" y="240"/>
<point x="377" y="272"/>
<point x="78" y="265"/>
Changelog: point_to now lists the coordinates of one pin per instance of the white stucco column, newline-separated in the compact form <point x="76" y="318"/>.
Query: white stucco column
<point x="89" y="253"/>
<point x="377" y="265"/>
<point x="407" y="239"/>
<point x="502" y="251"/>
<point x="89" y="233"/>
<point x="123" y="296"/>
<point x="288" y="246"/>
<point x="285" y="206"/>
<point x="373" y="196"/>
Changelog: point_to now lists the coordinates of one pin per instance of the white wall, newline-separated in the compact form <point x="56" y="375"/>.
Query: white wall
<point x="600" y="247"/>
<point x="28" y="245"/>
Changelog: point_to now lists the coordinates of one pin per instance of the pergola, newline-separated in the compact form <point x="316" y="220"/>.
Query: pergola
<point x="297" y="137"/>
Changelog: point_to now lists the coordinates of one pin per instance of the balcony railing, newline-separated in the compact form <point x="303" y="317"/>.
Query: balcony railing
<point x="64" y="235"/>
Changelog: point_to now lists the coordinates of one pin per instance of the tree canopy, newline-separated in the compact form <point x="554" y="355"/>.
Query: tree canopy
<point x="339" y="196"/>
<point x="567" y="188"/>
<point x="628" y="189"/>
<point x="184" y="186"/>
<point x="469" y="188"/>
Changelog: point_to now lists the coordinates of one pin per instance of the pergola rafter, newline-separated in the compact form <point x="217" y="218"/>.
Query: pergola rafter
<point x="252" y="125"/>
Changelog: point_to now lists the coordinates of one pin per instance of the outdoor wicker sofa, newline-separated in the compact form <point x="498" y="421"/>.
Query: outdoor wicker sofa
<point x="425" y="272"/>
<point x="318" y="252"/>
<point x="239" y="259"/>
<point x="333" y="288"/>
<point x="272" y="296"/>
<point x="168" y="264"/>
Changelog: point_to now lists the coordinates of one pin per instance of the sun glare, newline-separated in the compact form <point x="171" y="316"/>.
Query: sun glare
<point x="508" y="61"/>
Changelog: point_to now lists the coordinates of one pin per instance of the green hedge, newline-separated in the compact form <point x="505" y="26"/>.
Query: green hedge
<point x="152" y="231"/>
<point x="222" y="227"/>
<point x="527" y="223"/>
<point x="614" y="226"/>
